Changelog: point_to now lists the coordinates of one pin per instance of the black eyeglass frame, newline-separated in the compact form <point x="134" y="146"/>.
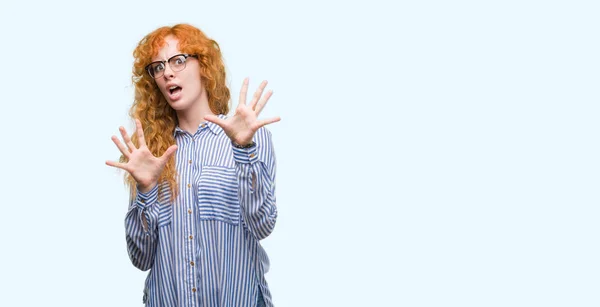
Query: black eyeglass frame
<point x="168" y="61"/>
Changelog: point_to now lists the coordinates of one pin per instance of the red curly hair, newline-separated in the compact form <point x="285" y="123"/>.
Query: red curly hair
<point x="150" y="107"/>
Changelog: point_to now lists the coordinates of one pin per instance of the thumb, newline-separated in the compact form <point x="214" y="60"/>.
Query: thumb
<point x="215" y="119"/>
<point x="168" y="153"/>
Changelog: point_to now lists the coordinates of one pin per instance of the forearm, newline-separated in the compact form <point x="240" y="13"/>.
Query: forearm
<point x="256" y="175"/>
<point x="141" y="230"/>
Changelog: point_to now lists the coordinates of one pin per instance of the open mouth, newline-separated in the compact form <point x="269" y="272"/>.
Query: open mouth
<point x="174" y="89"/>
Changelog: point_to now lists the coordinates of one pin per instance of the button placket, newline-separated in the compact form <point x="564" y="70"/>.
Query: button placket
<point x="189" y="226"/>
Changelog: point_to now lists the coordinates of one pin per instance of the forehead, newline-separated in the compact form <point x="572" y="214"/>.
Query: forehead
<point x="169" y="49"/>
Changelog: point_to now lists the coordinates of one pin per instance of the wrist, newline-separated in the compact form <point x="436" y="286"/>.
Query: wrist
<point x="145" y="188"/>
<point x="243" y="146"/>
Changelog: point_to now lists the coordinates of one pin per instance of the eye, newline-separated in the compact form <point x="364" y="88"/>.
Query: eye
<point x="179" y="60"/>
<point x="158" y="67"/>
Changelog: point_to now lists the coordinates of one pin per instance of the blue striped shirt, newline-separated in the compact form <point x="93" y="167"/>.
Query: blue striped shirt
<point x="202" y="248"/>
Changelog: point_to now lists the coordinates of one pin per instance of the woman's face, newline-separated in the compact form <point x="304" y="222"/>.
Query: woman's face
<point x="182" y="89"/>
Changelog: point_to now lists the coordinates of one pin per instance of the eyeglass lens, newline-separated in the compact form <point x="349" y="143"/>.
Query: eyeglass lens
<point x="177" y="63"/>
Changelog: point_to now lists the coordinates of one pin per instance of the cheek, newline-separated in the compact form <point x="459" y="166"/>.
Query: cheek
<point x="193" y="83"/>
<point x="193" y="76"/>
<point x="163" y="90"/>
<point x="160" y="86"/>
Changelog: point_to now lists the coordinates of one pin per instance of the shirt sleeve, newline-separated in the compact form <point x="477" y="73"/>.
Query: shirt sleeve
<point x="141" y="229"/>
<point x="255" y="169"/>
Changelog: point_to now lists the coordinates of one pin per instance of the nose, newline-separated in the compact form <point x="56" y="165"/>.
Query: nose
<point x="168" y="72"/>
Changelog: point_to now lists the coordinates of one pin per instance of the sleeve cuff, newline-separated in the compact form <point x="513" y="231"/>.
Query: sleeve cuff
<point x="143" y="200"/>
<point x="245" y="155"/>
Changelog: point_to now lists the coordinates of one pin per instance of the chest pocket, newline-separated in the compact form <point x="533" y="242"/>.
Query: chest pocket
<point x="218" y="194"/>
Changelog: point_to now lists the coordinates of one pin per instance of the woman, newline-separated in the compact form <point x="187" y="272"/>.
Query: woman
<point x="203" y="183"/>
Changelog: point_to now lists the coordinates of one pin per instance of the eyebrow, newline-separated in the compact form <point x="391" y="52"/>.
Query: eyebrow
<point x="152" y="61"/>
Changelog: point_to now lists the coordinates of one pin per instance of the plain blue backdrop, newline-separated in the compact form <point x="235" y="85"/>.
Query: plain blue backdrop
<point x="430" y="153"/>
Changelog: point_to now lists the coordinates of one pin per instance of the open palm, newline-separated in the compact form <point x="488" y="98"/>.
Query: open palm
<point x="242" y="126"/>
<point x="143" y="166"/>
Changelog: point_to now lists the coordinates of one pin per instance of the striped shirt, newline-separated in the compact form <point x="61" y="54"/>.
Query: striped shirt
<point x="202" y="248"/>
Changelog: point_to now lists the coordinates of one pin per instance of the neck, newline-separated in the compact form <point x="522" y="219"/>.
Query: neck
<point x="191" y="118"/>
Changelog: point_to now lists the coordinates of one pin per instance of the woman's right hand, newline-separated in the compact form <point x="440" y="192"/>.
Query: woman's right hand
<point x="143" y="166"/>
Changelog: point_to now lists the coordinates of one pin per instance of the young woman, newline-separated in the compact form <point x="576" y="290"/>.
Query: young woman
<point x="202" y="182"/>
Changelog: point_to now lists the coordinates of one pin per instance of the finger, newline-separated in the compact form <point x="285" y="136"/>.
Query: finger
<point x="216" y="120"/>
<point x="140" y="132"/>
<point x="168" y="153"/>
<point x="243" y="92"/>
<point x="121" y="147"/>
<point x="261" y="104"/>
<point x="116" y="164"/>
<point x="265" y="122"/>
<point x="127" y="139"/>
<point x="258" y="94"/>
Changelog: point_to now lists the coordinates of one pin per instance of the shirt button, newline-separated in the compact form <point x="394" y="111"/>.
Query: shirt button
<point x="193" y="289"/>
<point x="189" y="185"/>
<point x="251" y="155"/>
<point x="192" y="263"/>
<point x="203" y="125"/>
<point x="190" y="161"/>
<point x="190" y="211"/>
<point x="191" y="237"/>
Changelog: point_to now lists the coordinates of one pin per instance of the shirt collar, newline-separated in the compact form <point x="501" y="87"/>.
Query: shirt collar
<point x="212" y="127"/>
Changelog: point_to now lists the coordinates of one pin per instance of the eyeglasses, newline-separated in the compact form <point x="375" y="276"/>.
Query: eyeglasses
<point x="176" y="62"/>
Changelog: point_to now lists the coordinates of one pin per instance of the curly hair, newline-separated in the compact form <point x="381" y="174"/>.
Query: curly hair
<point x="150" y="106"/>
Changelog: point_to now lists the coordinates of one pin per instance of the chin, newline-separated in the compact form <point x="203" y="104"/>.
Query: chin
<point x="178" y="105"/>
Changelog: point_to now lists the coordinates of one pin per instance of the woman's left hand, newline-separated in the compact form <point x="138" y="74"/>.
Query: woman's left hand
<point x="240" y="128"/>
